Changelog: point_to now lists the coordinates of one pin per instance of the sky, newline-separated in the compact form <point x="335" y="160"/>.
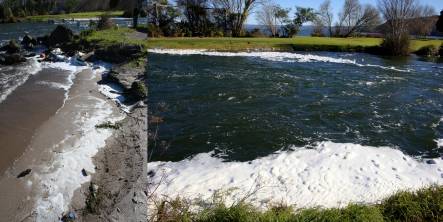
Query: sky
<point x="337" y="5"/>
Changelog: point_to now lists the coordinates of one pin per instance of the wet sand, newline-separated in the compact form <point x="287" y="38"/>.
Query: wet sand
<point x="27" y="108"/>
<point x="55" y="156"/>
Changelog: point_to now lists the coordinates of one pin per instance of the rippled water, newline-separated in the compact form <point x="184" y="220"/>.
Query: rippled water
<point x="244" y="107"/>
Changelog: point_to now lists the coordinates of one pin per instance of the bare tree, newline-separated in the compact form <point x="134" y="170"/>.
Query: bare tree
<point x="272" y="17"/>
<point x="397" y="13"/>
<point x="354" y="18"/>
<point x="424" y="22"/>
<point x="236" y="13"/>
<point x="326" y="16"/>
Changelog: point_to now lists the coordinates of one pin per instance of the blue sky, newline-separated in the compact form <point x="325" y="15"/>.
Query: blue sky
<point x="337" y="5"/>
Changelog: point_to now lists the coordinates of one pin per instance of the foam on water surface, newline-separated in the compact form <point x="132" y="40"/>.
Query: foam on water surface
<point x="330" y="175"/>
<point x="273" y="56"/>
<point x="16" y="76"/>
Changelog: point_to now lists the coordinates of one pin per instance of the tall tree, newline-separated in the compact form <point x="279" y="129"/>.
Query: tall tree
<point x="272" y="17"/>
<point x="397" y="13"/>
<point x="424" y="22"/>
<point x="440" y="22"/>
<point x="197" y="16"/>
<point x="302" y="15"/>
<point x="236" y="13"/>
<point x="326" y="16"/>
<point x="354" y="18"/>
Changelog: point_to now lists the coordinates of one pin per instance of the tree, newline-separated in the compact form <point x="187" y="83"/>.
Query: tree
<point x="236" y="12"/>
<point x="440" y="22"/>
<point x="326" y="16"/>
<point x="136" y="12"/>
<point x="272" y="17"/>
<point x="424" y="22"/>
<point x="113" y="4"/>
<point x="397" y="13"/>
<point x="70" y="5"/>
<point x="196" y="15"/>
<point x="302" y="15"/>
<point x="355" y="18"/>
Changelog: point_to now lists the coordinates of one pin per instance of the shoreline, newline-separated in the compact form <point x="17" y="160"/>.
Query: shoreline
<point x="45" y="193"/>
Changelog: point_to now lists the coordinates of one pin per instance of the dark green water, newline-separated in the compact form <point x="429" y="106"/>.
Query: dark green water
<point x="246" y="107"/>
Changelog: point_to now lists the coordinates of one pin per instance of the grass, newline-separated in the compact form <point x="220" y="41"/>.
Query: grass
<point x="73" y="15"/>
<point x="300" y="43"/>
<point x="420" y="206"/>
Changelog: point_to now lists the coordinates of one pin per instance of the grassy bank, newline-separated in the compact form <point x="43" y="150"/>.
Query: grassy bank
<point x="422" y="205"/>
<point x="79" y="15"/>
<point x="299" y="43"/>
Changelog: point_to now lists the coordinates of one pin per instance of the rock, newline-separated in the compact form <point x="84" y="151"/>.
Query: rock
<point x="24" y="173"/>
<point x="69" y="217"/>
<point x="84" y="173"/>
<point x="11" y="59"/>
<point x="431" y="162"/>
<point x="29" y="42"/>
<point x="44" y="40"/>
<point x="151" y="173"/>
<point x="11" y="47"/>
<point x="60" y="35"/>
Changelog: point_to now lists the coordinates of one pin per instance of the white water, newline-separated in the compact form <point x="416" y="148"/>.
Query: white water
<point x="15" y="76"/>
<point x="331" y="175"/>
<point x="272" y="56"/>
<point x="62" y="177"/>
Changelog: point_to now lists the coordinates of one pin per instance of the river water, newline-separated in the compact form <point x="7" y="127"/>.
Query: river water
<point x="346" y="126"/>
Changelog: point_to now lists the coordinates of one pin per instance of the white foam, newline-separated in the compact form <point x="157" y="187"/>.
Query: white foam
<point x="331" y="175"/>
<point x="32" y="67"/>
<point x="112" y="91"/>
<point x="272" y="56"/>
<point x="63" y="177"/>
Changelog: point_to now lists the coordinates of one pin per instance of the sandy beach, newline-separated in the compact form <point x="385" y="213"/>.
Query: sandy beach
<point x="60" y="149"/>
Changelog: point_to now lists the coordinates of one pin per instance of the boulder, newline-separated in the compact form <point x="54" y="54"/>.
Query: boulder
<point x="60" y="35"/>
<point x="11" y="47"/>
<point x="29" y="42"/>
<point x="44" y="40"/>
<point x="11" y="59"/>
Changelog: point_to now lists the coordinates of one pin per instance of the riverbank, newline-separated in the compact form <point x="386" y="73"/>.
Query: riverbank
<point x="299" y="43"/>
<point x="70" y="16"/>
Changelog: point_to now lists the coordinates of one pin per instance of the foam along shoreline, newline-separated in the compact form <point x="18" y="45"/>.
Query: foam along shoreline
<point x="273" y="56"/>
<point x="331" y="175"/>
<point x="61" y="148"/>
<point x="31" y="67"/>
<point x="75" y="150"/>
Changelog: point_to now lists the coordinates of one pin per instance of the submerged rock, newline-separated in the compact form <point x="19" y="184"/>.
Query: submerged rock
<point x="11" y="47"/>
<point x="11" y="59"/>
<point x="431" y="162"/>
<point x="24" y="173"/>
<point x="29" y="42"/>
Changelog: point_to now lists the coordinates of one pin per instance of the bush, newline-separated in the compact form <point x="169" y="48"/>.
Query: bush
<point x="139" y="90"/>
<point x="105" y="22"/>
<point x="428" y="51"/>
<point x="396" y="45"/>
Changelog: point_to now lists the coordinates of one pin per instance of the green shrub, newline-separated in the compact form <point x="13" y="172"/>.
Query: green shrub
<point x="428" y="51"/>
<point x="105" y="22"/>
<point x="396" y="45"/>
